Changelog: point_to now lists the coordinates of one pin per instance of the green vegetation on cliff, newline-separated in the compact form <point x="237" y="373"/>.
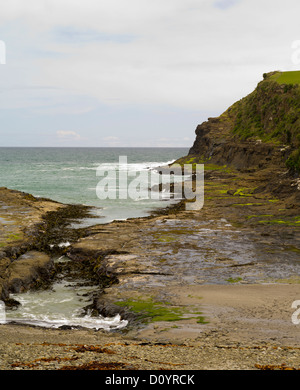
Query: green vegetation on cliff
<point x="271" y="113"/>
<point x="285" y="77"/>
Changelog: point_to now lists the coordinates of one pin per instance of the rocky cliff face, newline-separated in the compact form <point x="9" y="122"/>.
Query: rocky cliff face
<point x="259" y="130"/>
<point x="211" y="146"/>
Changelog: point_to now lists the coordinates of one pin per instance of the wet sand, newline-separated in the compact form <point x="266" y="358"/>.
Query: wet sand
<point x="249" y="328"/>
<point x="243" y="314"/>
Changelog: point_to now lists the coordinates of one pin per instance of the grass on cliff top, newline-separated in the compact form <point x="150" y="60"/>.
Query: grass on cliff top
<point x="271" y="113"/>
<point x="292" y="77"/>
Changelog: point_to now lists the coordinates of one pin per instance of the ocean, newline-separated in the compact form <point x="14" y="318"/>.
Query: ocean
<point x="77" y="176"/>
<point x="69" y="175"/>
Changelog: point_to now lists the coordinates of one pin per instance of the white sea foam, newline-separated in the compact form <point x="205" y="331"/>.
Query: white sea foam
<point x="144" y="166"/>
<point x="105" y="323"/>
<point x="61" y="245"/>
<point x="58" y="307"/>
<point x="64" y="244"/>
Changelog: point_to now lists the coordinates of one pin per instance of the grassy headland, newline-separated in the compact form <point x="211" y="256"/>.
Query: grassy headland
<point x="266" y="120"/>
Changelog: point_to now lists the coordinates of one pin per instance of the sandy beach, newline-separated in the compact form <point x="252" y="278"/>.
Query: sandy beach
<point x="249" y="328"/>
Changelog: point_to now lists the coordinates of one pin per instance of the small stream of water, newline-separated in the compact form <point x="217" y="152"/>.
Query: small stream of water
<point x="61" y="305"/>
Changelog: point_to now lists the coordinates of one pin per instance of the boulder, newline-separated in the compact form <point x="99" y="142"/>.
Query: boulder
<point x="33" y="269"/>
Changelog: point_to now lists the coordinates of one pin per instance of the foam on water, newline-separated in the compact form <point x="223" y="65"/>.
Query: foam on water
<point x="62" y="305"/>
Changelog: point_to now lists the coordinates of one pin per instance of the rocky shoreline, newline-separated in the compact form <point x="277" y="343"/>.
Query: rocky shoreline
<point x="31" y="232"/>
<point x="208" y="289"/>
<point x="216" y="288"/>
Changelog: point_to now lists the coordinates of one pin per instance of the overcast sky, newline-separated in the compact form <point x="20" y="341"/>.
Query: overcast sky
<point x="133" y="72"/>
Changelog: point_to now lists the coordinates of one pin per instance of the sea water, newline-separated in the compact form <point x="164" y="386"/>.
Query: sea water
<point x="69" y="175"/>
<point x="61" y="305"/>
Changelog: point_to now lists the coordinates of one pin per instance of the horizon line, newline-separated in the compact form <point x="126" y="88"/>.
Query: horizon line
<point x="96" y="147"/>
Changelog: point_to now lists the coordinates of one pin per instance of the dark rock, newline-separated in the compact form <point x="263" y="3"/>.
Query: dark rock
<point x="65" y="327"/>
<point x="103" y="307"/>
<point x="11" y="303"/>
<point x="30" y="270"/>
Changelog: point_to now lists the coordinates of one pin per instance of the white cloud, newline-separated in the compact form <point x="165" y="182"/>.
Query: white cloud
<point x="188" y="54"/>
<point x="183" y="54"/>
<point x="111" y="138"/>
<point x="68" y="134"/>
<point x="112" y="141"/>
<point x="224" y="4"/>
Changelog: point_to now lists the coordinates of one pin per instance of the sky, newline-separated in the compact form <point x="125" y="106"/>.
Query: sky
<point x="134" y="72"/>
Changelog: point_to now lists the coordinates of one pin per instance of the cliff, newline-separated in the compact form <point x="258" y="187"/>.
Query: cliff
<point x="258" y="131"/>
